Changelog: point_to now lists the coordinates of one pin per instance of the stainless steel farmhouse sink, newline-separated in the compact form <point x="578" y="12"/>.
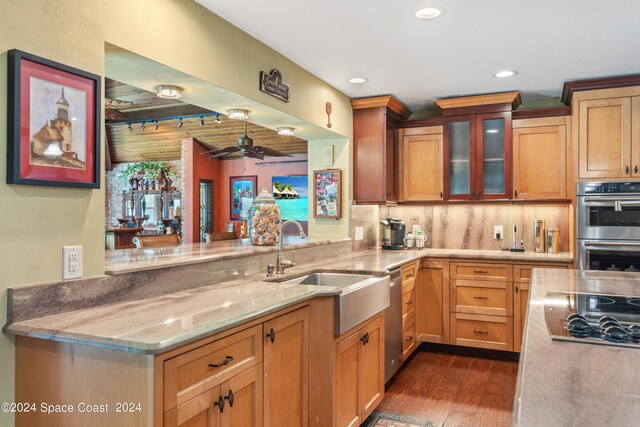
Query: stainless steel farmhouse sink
<point x="363" y="295"/>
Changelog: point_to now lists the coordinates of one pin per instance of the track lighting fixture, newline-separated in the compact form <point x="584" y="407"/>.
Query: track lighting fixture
<point x="179" y="119"/>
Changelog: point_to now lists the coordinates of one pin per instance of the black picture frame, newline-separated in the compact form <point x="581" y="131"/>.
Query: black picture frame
<point x="91" y="174"/>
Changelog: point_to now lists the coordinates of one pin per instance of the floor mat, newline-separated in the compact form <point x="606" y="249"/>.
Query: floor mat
<point x="385" y="419"/>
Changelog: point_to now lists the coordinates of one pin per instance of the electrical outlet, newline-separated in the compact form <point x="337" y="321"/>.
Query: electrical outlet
<point x="71" y="262"/>
<point x="498" y="232"/>
<point x="359" y="234"/>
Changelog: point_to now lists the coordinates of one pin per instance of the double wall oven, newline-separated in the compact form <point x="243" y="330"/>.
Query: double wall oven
<point x="608" y="232"/>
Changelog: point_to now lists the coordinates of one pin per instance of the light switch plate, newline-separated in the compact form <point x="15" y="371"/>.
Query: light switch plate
<point x="71" y="262"/>
<point x="359" y="234"/>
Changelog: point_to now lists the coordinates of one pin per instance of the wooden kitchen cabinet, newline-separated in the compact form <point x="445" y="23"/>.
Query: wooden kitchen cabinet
<point x="235" y="403"/>
<point x="286" y="370"/>
<point x="375" y="148"/>
<point x="410" y="273"/>
<point x="540" y="159"/>
<point x="432" y="302"/>
<point x="360" y="373"/>
<point x="421" y="163"/>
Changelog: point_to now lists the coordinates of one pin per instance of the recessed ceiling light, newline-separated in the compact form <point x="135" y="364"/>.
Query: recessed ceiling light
<point x="430" y="13"/>
<point x="238" y="114"/>
<point x="358" y="80"/>
<point x="168" y="91"/>
<point x="286" y="131"/>
<point x="505" y="73"/>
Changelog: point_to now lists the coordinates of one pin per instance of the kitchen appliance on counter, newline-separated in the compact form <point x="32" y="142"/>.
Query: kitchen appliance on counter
<point x="608" y="229"/>
<point x="392" y="233"/>
<point x="594" y="319"/>
<point x="393" y="326"/>
<point x="539" y="236"/>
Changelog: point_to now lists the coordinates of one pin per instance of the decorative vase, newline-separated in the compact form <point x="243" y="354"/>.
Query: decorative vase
<point x="264" y="220"/>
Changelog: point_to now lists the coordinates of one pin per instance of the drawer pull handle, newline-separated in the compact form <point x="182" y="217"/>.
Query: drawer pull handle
<point x="517" y="289"/>
<point x="271" y="335"/>
<point x="481" y="298"/>
<point x="481" y="332"/>
<point x="409" y="302"/>
<point x="365" y="338"/>
<point x="480" y="272"/>
<point x="409" y="338"/>
<point x="225" y="362"/>
<point x="230" y="398"/>
<point x="219" y="403"/>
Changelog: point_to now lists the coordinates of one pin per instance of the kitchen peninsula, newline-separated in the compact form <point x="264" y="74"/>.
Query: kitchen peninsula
<point x="150" y="326"/>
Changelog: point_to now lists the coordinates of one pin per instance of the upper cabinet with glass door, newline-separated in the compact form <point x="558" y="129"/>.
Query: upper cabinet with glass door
<point x="477" y="146"/>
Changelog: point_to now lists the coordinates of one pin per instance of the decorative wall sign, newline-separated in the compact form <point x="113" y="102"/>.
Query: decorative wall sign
<point x="242" y="191"/>
<point x="328" y="109"/>
<point x="273" y="85"/>
<point x="54" y="124"/>
<point x="327" y="193"/>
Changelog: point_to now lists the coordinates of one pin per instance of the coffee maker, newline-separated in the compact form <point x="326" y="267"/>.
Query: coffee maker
<point x="392" y="233"/>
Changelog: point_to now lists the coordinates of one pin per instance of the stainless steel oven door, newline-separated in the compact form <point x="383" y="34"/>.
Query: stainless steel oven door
<point x="612" y="255"/>
<point x="609" y="217"/>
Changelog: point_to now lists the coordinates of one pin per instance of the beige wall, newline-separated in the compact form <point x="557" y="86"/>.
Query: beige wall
<point x="35" y="221"/>
<point x="342" y="154"/>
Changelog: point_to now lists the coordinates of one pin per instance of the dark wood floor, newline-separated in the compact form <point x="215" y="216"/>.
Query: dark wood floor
<point x="458" y="391"/>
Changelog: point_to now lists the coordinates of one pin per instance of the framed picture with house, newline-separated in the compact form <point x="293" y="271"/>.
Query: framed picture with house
<point x="54" y="123"/>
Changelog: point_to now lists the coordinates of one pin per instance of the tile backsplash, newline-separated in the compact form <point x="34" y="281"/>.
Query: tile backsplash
<point x="466" y="226"/>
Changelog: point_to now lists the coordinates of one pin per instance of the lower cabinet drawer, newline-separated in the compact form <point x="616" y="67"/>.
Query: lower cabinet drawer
<point x="408" y="302"/>
<point x="409" y="337"/>
<point x="482" y="297"/>
<point x="190" y="374"/>
<point x="477" y="330"/>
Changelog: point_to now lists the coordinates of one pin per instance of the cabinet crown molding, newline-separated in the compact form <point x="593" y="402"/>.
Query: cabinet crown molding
<point x="571" y="87"/>
<point x="387" y="101"/>
<point x="512" y="98"/>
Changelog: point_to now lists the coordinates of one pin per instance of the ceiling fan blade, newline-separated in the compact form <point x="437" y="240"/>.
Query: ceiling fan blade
<point x="225" y="151"/>
<point x="271" y="153"/>
<point x="230" y="149"/>
<point x="252" y="152"/>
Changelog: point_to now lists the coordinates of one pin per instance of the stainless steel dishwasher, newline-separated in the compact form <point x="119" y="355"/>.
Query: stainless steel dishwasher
<point x="393" y="326"/>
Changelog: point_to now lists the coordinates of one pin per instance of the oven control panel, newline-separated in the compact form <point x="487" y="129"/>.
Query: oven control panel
<point x="585" y="188"/>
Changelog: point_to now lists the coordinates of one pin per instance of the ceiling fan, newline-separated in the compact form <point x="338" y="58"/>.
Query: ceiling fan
<point x="245" y="145"/>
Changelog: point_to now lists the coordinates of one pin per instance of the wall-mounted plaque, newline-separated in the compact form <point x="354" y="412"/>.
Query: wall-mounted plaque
<point x="272" y="84"/>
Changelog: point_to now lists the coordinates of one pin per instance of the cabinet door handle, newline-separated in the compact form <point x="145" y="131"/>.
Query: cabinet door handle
<point x="230" y="398"/>
<point x="473" y="195"/>
<point x="635" y="170"/>
<point x="480" y="298"/>
<point x="516" y="193"/>
<point x="271" y="335"/>
<point x="480" y="272"/>
<point x="225" y="362"/>
<point x="441" y="191"/>
<point x="627" y="170"/>
<point x="480" y="332"/>
<point x="409" y="302"/>
<point x="365" y="338"/>
<point x="517" y="289"/>
<point x="219" y="403"/>
<point x="410" y="338"/>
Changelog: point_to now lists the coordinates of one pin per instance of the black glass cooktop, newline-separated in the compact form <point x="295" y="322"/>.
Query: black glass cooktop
<point x="593" y="318"/>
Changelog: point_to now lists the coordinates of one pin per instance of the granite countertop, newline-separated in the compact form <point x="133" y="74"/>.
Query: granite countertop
<point x="569" y="383"/>
<point x="159" y="323"/>
<point x="131" y="260"/>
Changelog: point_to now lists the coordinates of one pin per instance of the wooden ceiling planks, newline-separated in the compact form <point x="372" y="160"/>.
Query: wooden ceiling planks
<point x="164" y="143"/>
